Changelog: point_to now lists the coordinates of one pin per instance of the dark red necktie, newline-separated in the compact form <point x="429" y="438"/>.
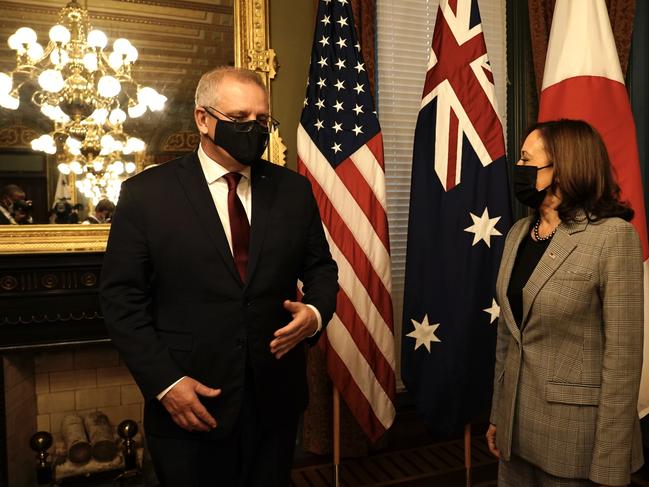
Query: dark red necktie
<point x="239" y="225"/>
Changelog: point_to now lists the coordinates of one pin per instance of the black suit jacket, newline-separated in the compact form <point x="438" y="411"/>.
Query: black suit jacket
<point x="175" y="305"/>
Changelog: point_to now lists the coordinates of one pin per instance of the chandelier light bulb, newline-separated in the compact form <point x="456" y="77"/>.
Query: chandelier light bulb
<point x="90" y="61"/>
<point x="115" y="60"/>
<point x="117" y="168"/>
<point x="157" y="103"/>
<point x="25" y="35"/>
<point x="97" y="165"/>
<point x="100" y="115"/>
<point x="59" y="34"/>
<point x="136" y="111"/>
<point x="9" y="101"/>
<point x="131" y="54"/>
<point x="97" y="39"/>
<point x="145" y="95"/>
<point x="121" y="45"/>
<point x="35" y="51"/>
<point x="130" y="167"/>
<point x="59" y="57"/>
<point x="117" y="116"/>
<point x="15" y="44"/>
<point x="75" y="167"/>
<point x="107" y="143"/>
<point x="133" y="144"/>
<point x="51" y="80"/>
<point x="73" y="143"/>
<point x="6" y="83"/>
<point x="64" y="169"/>
<point x="108" y="86"/>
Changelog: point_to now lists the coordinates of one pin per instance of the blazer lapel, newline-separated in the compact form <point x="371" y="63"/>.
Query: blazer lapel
<point x="263" y="195"/>
<point x="193" y="182"/>
<point x="509" y="257"/>
<point x="562" y="244"/>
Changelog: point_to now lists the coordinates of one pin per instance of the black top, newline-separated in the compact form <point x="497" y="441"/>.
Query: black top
<point x="528" y="256"/>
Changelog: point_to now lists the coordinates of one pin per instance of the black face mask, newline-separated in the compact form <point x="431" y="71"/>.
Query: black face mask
<point x="525" y="185"/>
<point x="245" y="147"/>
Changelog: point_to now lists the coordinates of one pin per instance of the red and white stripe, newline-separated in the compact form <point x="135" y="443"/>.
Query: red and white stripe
<point x="359" y="340"/>
<point x="583" y="80"/>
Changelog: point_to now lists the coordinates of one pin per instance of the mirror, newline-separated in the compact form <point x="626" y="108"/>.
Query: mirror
<point x="177" y="40"/>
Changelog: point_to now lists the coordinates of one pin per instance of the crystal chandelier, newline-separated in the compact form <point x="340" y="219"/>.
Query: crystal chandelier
<point x="88" y="93"/>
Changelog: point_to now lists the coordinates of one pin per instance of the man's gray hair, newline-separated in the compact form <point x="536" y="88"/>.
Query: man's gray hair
<point x="207" y="91"/>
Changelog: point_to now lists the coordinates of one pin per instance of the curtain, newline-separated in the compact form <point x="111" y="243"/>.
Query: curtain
<point x="621" y="13"/>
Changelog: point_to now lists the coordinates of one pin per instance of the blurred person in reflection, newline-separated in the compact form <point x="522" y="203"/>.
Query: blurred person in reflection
<point x="8" y="196"/>
<point x="570" y="332"/>
<point x="102" y="213"/>
<point x="201" y="298"/>
<point x="23" y="210"/>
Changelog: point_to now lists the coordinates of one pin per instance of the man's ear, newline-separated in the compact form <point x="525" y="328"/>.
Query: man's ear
<point x="200" y="117"/>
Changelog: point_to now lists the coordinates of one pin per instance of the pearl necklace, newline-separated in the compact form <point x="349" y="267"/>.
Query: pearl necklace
<point x="537" y="237"/>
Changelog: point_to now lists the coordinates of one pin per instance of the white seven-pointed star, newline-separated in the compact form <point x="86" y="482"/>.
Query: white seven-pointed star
<point x="424" y="333"/>
<point x="340" y="84"/>
<point x="320" y="103"/>
<point x="337" y="126"/>
<point x="318" y="124"/>
<point x="359" y="66"/>
<point x="494" y="310"/>
<point x="341" y="42"/>
<point x="324" y="41"/>
<point x="306" y="101"/>
<point x="338" y="106"/>
<point x="321" y="83"/>
<point x="325" y="20"/>
<point x="357" y="45"/>
<point x="327" y="1"/>
<point x="483" y="227"/>
<point x="358" y="109"/>
<point x="336" y="148"/>
<point x="342" y="21"/>
<point x="357" y="130"/>
<point x="340" y="63"/>
<point x="322" y="62"/>
<point x="343" y="2"/>
<point x="359" y="88"/>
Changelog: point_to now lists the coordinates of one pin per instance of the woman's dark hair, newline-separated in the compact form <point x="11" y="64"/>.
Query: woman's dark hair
<point x="582" y="171"/>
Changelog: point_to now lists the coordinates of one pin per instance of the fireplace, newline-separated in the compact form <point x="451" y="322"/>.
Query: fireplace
<point x="55" y="356"/>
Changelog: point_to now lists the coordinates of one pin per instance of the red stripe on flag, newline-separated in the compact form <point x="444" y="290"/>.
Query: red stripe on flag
<point x="375" y="144"/>
<point x="361" y="192"/>
<point x="604" y="103"/>
<point x="365" y="343"/>
<point x="452" y="151"/>
<point x="354" y="397"/>
<point x="351" y="249"/>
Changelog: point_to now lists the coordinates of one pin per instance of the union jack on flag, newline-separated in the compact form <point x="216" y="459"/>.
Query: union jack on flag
<point x="340" y="150"/>
<point x="459" y="214"/>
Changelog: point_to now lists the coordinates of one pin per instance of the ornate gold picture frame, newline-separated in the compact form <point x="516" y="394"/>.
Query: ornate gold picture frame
<point x="252" y="50"/>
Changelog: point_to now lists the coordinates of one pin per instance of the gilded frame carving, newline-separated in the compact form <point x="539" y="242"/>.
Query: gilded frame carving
<point x="252" y="50"/>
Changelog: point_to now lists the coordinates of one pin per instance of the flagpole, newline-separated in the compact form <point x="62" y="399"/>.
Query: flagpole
<point x="467" y="453"/>
<point x="336" y="434"/>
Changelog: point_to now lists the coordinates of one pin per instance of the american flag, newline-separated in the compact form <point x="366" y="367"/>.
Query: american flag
<point x="340" y="150"/>
<point x="459" y="214"/>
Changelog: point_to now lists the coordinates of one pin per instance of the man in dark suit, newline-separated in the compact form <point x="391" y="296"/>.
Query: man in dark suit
<point x="9" y="194"/>
<point x="203" y="305"/>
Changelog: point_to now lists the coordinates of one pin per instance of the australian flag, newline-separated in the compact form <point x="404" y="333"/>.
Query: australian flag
<point x="459" y="216"/>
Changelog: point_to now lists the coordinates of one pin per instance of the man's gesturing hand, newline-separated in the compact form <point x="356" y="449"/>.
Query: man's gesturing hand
<point x="185" y="408"/>
<point x="303" y="325"/>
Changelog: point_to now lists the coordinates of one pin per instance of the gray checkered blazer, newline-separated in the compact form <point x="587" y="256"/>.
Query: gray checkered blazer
<point x="566" y="384"/>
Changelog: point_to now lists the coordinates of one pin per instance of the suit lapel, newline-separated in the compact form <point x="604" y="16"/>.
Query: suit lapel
<point x="562" y="244"/>
<point x="509" y="257"/>
<point x="263" y="195"/>
<point x="193" y="182"/>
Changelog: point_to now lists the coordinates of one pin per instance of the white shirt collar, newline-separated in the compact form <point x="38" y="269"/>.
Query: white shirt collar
<point x="213" y="170"/>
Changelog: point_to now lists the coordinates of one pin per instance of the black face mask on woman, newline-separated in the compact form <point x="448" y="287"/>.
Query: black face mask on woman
<point x="244" y="141"/>
<point x="525" y="185"/>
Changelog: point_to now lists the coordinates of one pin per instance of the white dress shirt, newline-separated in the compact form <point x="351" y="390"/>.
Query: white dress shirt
<point x="214" y="172"/>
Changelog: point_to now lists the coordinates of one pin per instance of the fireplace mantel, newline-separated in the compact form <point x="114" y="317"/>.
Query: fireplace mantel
<point x="50" y="300"/>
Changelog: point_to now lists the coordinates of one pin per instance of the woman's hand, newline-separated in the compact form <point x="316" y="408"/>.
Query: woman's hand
<point x="491" y="440"/>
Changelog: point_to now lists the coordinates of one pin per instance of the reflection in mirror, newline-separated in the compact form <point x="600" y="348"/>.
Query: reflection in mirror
<point x="59" y="80"/>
